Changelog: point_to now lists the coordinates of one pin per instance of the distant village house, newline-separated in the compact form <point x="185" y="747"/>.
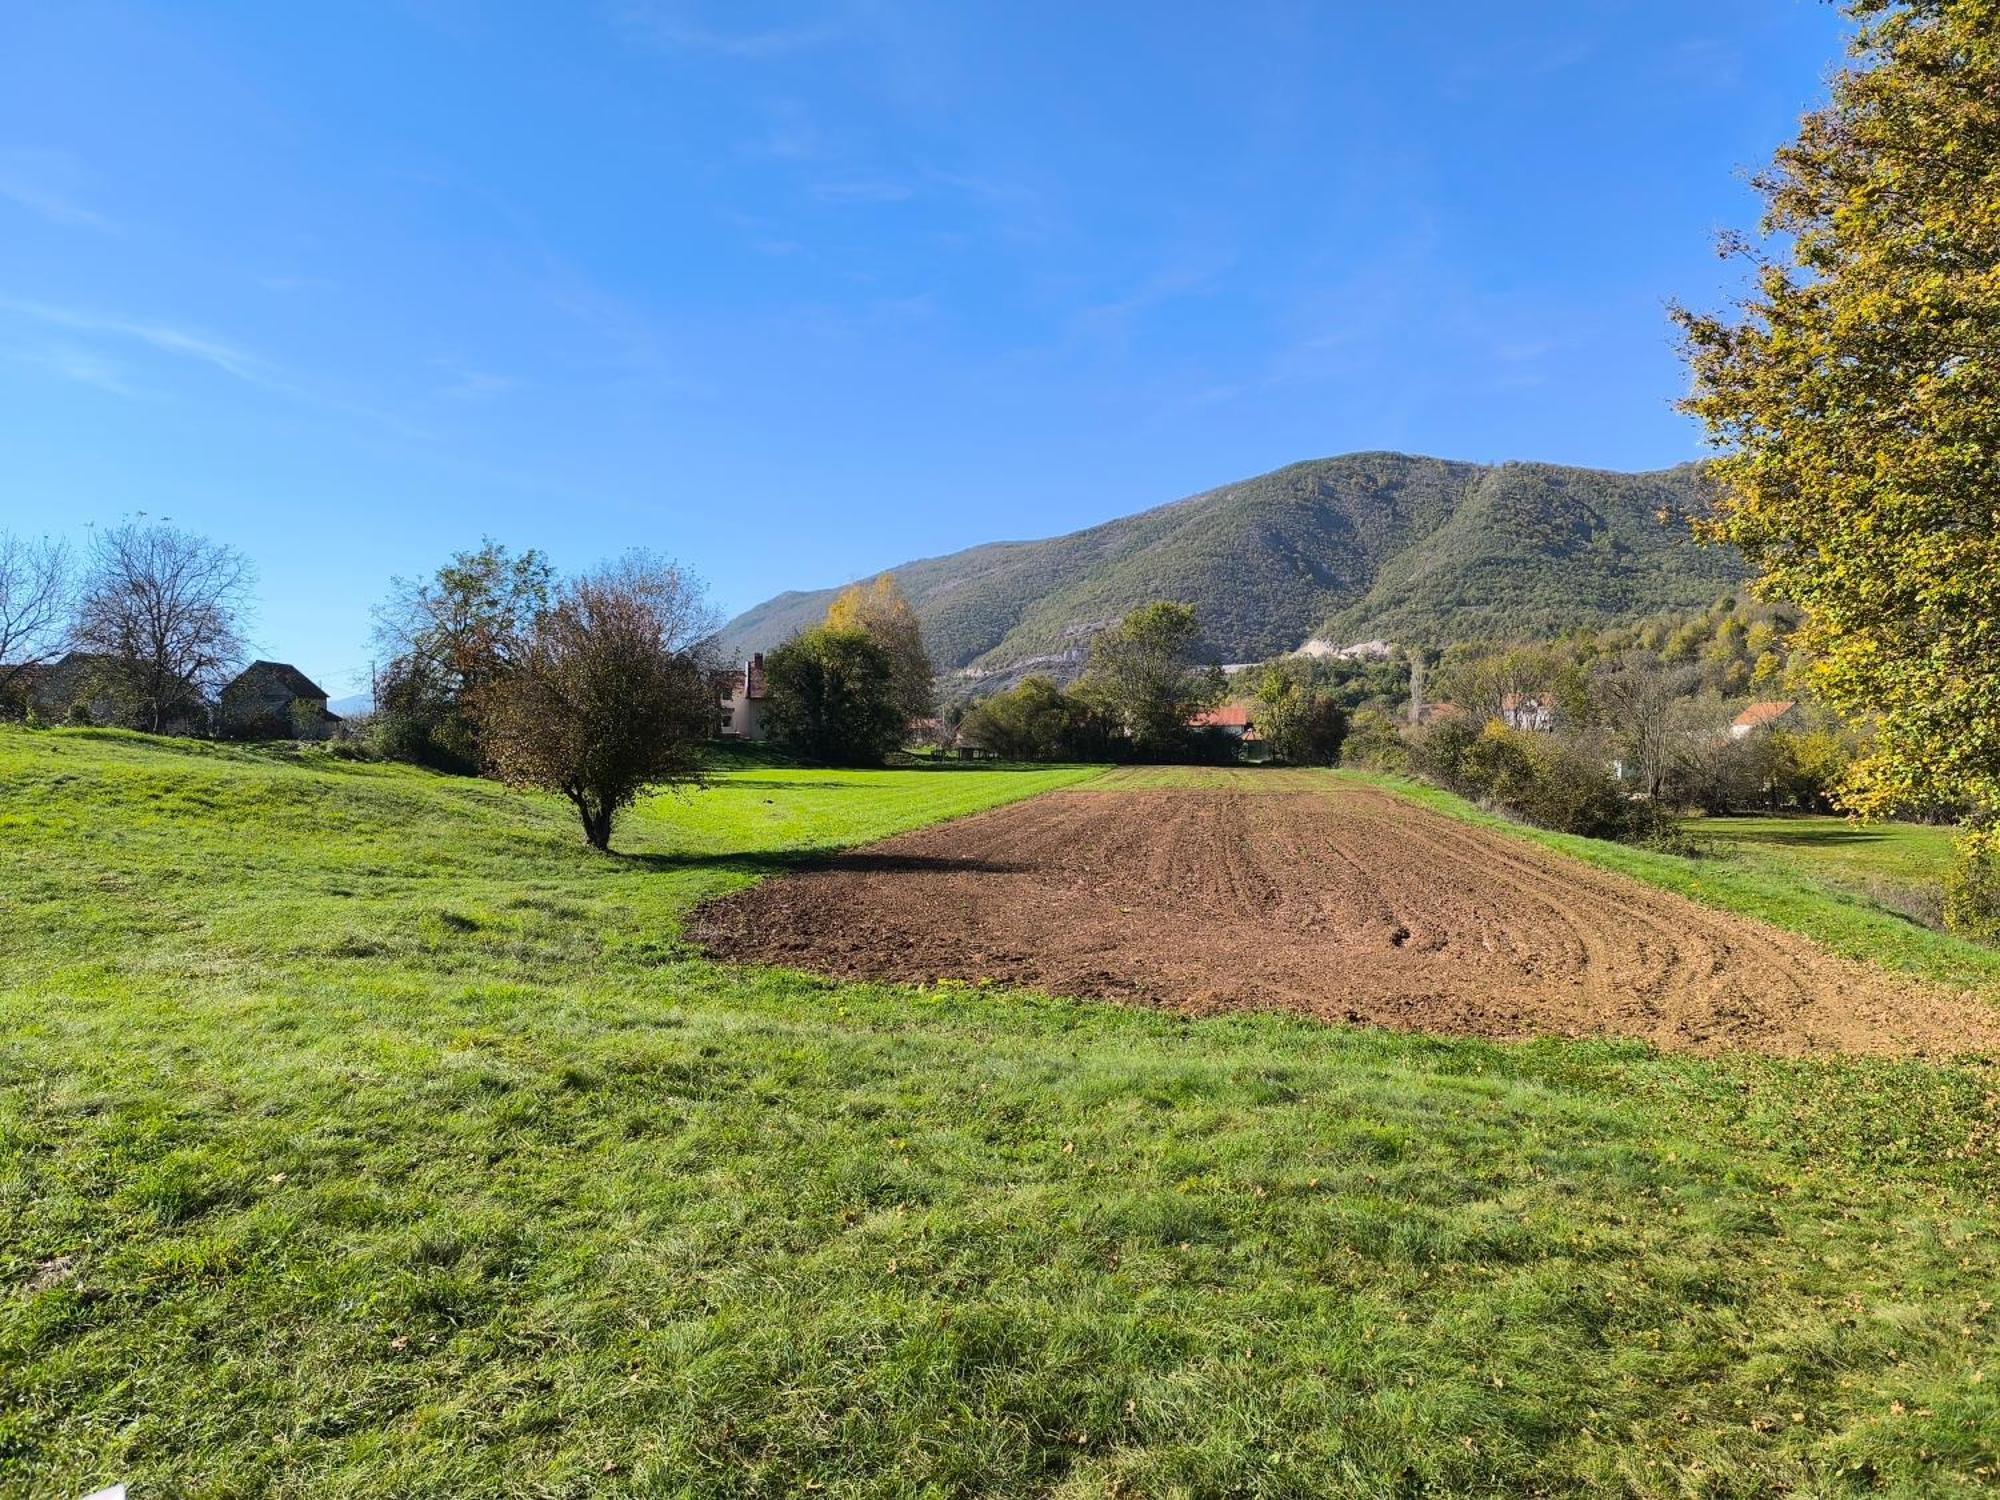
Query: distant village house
<point x="1232" y="719"/>
<point x="1532" y="712"/>
<point x="274" y="700"/>
<point x="89" y="687"/>
<point x="267" y="700"/>
<point x="1782" y="713"/>
<point x="741" y="696"/>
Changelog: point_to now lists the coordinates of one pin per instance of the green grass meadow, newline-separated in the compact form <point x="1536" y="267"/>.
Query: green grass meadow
<point x="363" y="1134"/>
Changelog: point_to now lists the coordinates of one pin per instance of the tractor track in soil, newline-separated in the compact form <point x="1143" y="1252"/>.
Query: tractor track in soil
<point x="1342" y="903"/>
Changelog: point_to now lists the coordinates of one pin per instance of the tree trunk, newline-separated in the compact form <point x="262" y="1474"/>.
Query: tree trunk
<point x="596" y="824"/>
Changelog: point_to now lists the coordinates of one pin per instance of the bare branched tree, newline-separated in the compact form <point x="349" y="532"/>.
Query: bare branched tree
<point x="35" y="599"/>
<point x="608" y="693"/>
<point x="166" y="608"/>
<point x="1635" y="701"/>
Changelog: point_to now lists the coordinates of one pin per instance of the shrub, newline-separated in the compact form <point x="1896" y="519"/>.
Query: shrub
<point x="1570" y="788"/>
<point x="1438" y="753"/>
<point x="1038" y="721"/>
<point x="1551" y="781"/>
<point x="1375" y="742"/>
<point x="1302" y="721"/>
<point x="833" y="698"/>
<point x="1972" y="885"/>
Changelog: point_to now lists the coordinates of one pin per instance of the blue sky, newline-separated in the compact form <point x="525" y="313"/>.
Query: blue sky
<point x="795" y="292"/>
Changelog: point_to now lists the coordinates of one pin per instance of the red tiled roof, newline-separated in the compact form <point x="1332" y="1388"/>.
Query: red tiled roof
<point x="1757" y="715"/>
<point x="1229" y="716"/>
<point x="729" y="683"/>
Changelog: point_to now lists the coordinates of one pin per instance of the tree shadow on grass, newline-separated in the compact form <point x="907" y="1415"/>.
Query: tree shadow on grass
<point x="854" y="862"/>
<point x="759" y="784"/>
<point x="1814" y="837"/>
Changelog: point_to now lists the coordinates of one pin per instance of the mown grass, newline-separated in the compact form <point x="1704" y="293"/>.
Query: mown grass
<point x="1838" y="848"/>
<point x="361" y="1134"/>
<point x="1899" y="867"/>
<point x="1818" y="877"/>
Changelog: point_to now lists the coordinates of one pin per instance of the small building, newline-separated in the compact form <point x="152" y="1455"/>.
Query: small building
<point x="741" y="696"/>
<point x="1232" y="719"/>
<point x="1777" y="713"/>
<point x="1533" y="712"/>
<point x="274" y="700"/>
<point x="17" y="688"/>
<point x="967" y="745"/>
<point x="95" y="687"/>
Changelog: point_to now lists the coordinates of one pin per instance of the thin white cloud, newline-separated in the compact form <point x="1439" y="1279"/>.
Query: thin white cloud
<point x="84" y="367"/>
<point x="47" y="183"/>
<point x="1707" y="63"/>
<point x="195" y="346"/>
<point x="678" y="26"/>
<point x="1162" y="286"/>
<point x="790" y="135"/>
<point x="1017" y="209"/>
<point x="1522" y="60"/>
<point x="862" y="190"/>
<point x="468" y="384"/>
<point x="184" y="343"/>
<point x="294" y="283"/>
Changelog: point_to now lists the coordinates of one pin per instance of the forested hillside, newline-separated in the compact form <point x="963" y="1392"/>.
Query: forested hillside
<point x="1370" y="544"/>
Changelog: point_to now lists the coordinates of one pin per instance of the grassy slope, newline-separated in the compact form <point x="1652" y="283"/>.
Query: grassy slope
<point x="360" y="1134"/>
<point x="1816" y="885"/>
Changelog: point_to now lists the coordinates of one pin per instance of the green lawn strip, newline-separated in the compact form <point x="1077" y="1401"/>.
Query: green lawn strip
<point x="1791" y="894"/>
<point x="1898" y="866"/>
<point x="443" y="1170"/>
<point x="1913" y="852"/>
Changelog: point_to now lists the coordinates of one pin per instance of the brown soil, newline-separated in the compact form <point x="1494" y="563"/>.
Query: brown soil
<point x="1346" y="904"/>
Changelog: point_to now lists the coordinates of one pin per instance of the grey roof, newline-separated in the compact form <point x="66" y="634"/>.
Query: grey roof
<point x="283" y="673"/>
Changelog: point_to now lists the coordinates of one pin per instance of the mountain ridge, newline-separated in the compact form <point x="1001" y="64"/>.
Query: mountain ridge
<point x="1371" y="544"/>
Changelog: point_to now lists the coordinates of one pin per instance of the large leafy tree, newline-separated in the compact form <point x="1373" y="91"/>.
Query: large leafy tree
<point x="1856" y="392"/>
<point x="833" y="697"/>
<point x="1142" y="676"/>
<point x="607" y="693"/>
<point x="447" y="638"/>
<point x="880" y="611"/>
<point x="1299" y="713"/>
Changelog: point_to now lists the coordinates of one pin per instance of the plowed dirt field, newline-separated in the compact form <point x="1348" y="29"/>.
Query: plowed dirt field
<point x="1289" y="892"/>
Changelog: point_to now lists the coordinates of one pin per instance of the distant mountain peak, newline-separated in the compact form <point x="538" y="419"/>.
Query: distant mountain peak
<point x="1365" y="546"/>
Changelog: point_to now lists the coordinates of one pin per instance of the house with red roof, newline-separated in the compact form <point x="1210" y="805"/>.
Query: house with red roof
<point x="1776" y="713"/>
<point x="1233" y="719"/>
<point x="740" y="699"/>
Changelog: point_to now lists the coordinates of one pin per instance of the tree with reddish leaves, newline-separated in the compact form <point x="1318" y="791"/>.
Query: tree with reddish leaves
<point x="608" y="693"/>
